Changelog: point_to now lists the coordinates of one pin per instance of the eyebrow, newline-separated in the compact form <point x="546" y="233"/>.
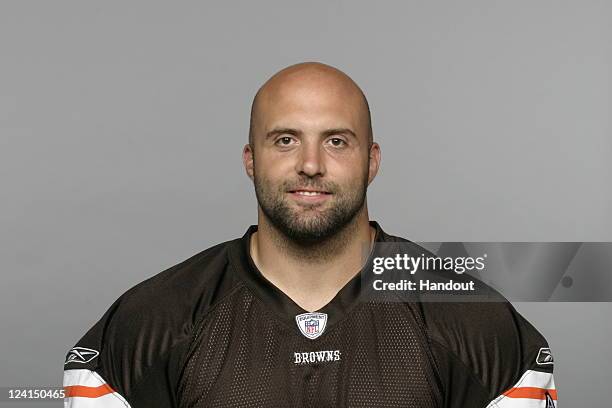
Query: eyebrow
<point x="295" y="132"/>
<point x="340" y="131"/>
<point x="280" y="131"/>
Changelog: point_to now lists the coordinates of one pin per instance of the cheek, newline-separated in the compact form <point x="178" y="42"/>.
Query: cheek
<point x="268" y="177"/>
<point x="272" y="162"/>
<point x="351" y="172"/>
<point x="273" y="168"/>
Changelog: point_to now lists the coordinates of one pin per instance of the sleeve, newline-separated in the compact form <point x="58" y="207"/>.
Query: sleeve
<point x="488" y="356"/>
<point x="535" y="385"/>
<point x="128" y="359"/>
<point x="85" y="380"/>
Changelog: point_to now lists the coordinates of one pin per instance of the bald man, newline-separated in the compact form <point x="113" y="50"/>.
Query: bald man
<point x="311" y="158"/>
<point x="286" y="316"/>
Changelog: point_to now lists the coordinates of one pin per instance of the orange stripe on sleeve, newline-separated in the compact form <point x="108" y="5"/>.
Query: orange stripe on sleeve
<point x="531" y="392"/>
<point x="88" y="392"/>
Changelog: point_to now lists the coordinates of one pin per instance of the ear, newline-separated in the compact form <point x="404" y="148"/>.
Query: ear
<point x="247" y="160"/>
<point x="374" y="161"/>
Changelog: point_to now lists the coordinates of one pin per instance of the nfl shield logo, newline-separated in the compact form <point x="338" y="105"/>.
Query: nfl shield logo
<point x="311" y="325"/>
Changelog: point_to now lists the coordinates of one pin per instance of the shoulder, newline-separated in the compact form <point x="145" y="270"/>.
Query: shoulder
<point x="179" y="293"/>
<point x="481" y="345"/>
<point x="142" y="336"/>
<point x="483" y="330"/>
<point x="481" y="318"/>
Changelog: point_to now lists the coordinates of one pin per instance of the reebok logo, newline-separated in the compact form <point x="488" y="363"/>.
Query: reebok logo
<point x="81" y="355"/>
<point x="544" y="357"/>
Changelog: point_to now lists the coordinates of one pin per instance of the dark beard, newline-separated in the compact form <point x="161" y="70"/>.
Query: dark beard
<point x="318" y="226"/>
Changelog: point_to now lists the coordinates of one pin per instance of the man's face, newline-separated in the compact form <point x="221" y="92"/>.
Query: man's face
<point x="311" y="159"/>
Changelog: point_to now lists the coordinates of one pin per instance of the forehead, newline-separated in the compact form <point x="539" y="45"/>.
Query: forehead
<point x="311" y="100"/>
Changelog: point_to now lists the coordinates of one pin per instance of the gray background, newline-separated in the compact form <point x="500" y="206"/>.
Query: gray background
<point x="122" y="123"/>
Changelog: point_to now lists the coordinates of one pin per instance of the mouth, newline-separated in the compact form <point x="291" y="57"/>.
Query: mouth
<point x="310" y="195"/>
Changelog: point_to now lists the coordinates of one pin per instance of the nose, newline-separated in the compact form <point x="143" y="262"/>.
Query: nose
<point x="311" y="159"/>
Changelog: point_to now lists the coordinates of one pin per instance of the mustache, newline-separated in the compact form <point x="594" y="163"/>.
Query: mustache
<point x="309" y="185"/>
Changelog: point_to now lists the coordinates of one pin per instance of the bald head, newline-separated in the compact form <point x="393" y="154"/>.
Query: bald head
<point x="311" y="86"/>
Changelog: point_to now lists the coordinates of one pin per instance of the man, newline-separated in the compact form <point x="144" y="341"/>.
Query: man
<point x="279" y="317"/>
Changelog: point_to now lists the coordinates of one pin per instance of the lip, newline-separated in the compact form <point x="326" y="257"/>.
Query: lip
<point x="309" y="195"/>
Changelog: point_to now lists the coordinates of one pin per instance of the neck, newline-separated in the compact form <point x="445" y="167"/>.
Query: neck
<point x="311" y="274"/>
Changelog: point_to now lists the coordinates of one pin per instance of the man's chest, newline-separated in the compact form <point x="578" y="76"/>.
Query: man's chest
<point x="244" y="355"/>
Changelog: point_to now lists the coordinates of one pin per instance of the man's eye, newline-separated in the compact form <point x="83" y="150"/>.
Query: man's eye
<point x="284" y="141"/>
<point x="337" y="142"/>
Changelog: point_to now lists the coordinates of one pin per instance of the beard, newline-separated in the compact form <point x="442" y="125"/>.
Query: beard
<point x="310" y="223"/>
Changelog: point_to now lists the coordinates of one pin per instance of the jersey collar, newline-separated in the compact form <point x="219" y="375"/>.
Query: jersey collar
<point x="281" y="304"/>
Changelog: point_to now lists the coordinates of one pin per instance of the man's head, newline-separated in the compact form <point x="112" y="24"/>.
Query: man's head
<point x="311" y="153"/>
